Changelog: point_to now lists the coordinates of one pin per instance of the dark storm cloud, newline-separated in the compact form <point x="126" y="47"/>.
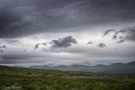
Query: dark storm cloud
<point x="101" y="45"/>
<point x="126" y="34"/>
<point x="24" y="17"/>
<point x="63" y="42"/>
<point x="11" y="24"/>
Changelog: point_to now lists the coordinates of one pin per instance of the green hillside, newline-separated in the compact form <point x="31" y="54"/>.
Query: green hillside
<point x="35" y="79"/>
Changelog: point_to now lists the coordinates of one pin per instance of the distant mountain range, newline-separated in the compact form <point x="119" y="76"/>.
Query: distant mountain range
<point x="113" y="68"/>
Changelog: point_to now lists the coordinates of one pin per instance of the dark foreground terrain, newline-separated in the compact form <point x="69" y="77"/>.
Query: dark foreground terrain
<point x="37" y="79"/>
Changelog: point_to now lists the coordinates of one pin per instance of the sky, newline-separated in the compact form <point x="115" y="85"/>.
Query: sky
<point x="66" y="32"/>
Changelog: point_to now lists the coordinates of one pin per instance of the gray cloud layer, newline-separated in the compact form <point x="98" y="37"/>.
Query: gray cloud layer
<point x="19" y="58"/>
<point x="24" y="17"/>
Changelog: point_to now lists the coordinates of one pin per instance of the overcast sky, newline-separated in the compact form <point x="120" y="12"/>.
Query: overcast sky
<point x="66" y="32"/>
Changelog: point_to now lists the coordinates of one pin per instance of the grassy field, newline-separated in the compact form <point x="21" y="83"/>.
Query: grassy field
<point x="34" y="79"/>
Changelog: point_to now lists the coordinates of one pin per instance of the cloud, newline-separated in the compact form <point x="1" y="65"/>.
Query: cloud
<point x="26" y="17"/>
<point x="119" y="36"/>
<point x="40" y="45"/>
<point x="63" y="42"/>
<point x="11" y="23"/>
<point x="36" y="46"/>
<point x="17" y="57"/>
<point x="120" y="41"/>
<point x="126" y="34"/>
<point x="3" y="46"/>
<point x="12" y="41"/>
<point x="101" y="45"/>
<point x="90" y="42"/>
<point x="109" y="31"/>
<point x="130" y="34"/>
<point x="1" y="51"/>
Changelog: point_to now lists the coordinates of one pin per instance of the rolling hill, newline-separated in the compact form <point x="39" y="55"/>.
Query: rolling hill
<point x="113" y="68"/>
